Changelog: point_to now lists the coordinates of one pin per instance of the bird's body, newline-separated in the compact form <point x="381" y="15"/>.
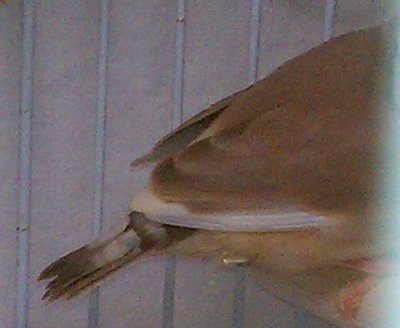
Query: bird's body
<point x="294" y="151"/>
<point x="281" y="174"/>
<point x="302" y="140"/>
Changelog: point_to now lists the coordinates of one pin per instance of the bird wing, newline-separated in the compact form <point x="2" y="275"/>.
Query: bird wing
<point x="184" y="134"/>
<point x="296" y="146"/>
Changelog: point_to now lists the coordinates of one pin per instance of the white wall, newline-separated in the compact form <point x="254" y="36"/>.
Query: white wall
<point x="139" y="111"/>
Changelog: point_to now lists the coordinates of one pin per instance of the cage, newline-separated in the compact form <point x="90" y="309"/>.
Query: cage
<point x="98" y="82"/>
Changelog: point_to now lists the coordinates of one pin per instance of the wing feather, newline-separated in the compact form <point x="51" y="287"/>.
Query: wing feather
<point x="304" y="138"/>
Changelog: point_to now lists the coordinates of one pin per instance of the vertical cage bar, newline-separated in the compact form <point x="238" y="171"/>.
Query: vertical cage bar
<point x="240" y="271"/>
<point x="179" y="63"/>
<point x="24" y="219"/>
<point x="329" y="19"/>
<point x="177" y="116"/>
<point x="254" y="40"/>
<point x="239" y="296"/>
<point x="100" y="146"/>
<point x="169" y="293"/>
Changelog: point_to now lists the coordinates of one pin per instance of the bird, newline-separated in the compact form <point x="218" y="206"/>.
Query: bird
<point x="279" y="176"/>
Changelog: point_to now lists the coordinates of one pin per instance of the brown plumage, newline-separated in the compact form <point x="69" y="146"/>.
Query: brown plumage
<point x="280" y="175"/>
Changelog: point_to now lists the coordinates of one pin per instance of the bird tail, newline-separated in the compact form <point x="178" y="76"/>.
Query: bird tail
<point x="87" y="266"/>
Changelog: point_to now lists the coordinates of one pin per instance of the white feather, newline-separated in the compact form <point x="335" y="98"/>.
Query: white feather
<point x="123" y="244"/>
<point x="176" y="214"/>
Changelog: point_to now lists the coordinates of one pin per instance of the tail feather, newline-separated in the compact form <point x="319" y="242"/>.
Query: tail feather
<point x="77" y="259"/>
<point x="56" y="266"/>
<point x="86" y="266"/>
<point x="86" y="281"/>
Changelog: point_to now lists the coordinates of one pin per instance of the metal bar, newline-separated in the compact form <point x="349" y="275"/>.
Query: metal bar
<point x="329" y="19"/>
<point x="179" y="64"/>
<point x="169" y="293"/>
<point x="24" y="219"/>
<point x="101" y="117"/>
<point x="254" y="40"/>
<point x="239" y="296"/>
<point x="177" y="117"/>
<point x="239" y="291"/>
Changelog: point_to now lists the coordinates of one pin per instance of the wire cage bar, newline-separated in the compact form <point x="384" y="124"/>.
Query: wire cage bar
<point x="25" y="167"/>
<point x="329" y="19"/>
<point x="101" y="115"/>
<point x="177" y="117"/>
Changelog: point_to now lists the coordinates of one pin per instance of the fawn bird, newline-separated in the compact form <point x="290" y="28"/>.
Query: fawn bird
<point x="280" y="175"/>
